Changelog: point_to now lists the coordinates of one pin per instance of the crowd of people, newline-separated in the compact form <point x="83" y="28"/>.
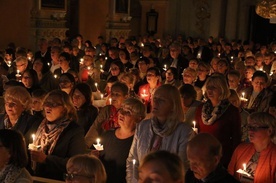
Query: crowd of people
<point x="139" y="110"/>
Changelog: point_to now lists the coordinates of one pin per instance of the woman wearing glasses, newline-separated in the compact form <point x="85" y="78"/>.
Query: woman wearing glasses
<point x="57" y="138"/>
<point x="117" y="142"/>
<point x="257" y="157"/>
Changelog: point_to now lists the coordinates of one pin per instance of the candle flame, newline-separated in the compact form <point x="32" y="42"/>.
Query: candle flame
<point x="244" y="166"/>
<point x="134" y="161"/>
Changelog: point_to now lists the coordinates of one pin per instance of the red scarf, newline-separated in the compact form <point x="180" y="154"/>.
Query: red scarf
<point x="112" y="121"/>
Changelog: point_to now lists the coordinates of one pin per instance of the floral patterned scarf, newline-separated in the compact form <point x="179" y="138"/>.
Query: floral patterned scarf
<point x="47" y="138"/>
<point x="210" y="114"/>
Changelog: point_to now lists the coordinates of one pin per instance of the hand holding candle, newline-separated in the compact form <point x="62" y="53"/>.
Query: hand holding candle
<point x="242" y="98"/>
<point x="32" y="146"/>
<point x="243" y="172"/>
<point x="144" y="94"/>
<point x="98" y="146"/>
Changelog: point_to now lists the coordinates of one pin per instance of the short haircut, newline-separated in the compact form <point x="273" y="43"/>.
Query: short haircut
<point x="188" y="90"/>
<point x="171" y="162"/>
<point x="137" y="107"/>
<point x="15" y="143"/>
<point x="190" y="70"/>
<point x="260" y="74"/>
<point x="123" y="87"/>
<point x="85" y="90"/>
<point x="205" y="65"/>
<point x="88" y="165"/>
<point x="22" y="58"/>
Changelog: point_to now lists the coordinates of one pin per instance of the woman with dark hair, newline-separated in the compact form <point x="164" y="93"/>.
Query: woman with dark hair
<point x="87" y="113"/>
<point x="30" y="80"/>
<point x="116" y="68"/>
<point x="58" y="136"/>
<point x="66" y="82"/>
<point x="13" y="158"/>
<point x="64" y="62"/>
<point x="46" y="79"/>
<point x="124" y="58"/>
<point x="172" y="77"/>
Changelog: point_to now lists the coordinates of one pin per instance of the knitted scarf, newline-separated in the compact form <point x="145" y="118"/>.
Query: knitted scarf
<point x="210" y="114"/>
<point x="9" y="174"/>
<point x="47" y="138"/>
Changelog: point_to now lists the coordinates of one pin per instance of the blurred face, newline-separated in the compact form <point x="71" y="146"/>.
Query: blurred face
<point x="37" y="66"/>
<point x="200" y="163"/>
<point x="161" y="105"/>
<point x="258" y="84"/>
<point x="248" y="73"/>
<point x="258" y="133"/>
<point x="27" y="80"/>
<point x="188" y="77"/>
<point x="78" y="99"/>
<point x="64" y="64"/>
<point x="21" y="66"/>
<point x="259" y="61"/>
<point x="174" y="52"/>
<point x="222" y="68"/>
<point x="65" y="83"/>
<point x="213" y="92"/>
<point x="186" y="101"/>
<point x="202" y="72"/>
<point x="117" y="97"/>
<point x="53" y="108"/>
<point x="155" y="172"/>
<point x="193" y="64"/>
<point x="112" y="54"/>
<point x="143" y="67"/>
<point x="169" y="75"/>
<point x="115" y="70"/>
<point x="233" y="81"/>
<point x="5" y="156"/>
<point x="122" y="55"/>
<point x="249" y="62"/>
<point x="267" y="60"/>
<point x="37" y="104"/>
<point x="87" y="61"/>
<point x="152" y="78"/>
<point x="234" y="101"/>
<point x="55" y="55"/>
<point x="214" y="65"/>
<point x="126" y="118"/>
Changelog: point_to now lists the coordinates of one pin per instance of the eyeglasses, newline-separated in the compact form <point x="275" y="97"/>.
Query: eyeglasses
<point x="72" y="176"/>
<point x="10" y="104"/>
<point x="125" y="112"/>
<point x="256" y="128"/>
<point x="51" y="104"/>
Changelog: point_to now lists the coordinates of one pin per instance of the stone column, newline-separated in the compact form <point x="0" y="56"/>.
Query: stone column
<point x="231" y="19"/>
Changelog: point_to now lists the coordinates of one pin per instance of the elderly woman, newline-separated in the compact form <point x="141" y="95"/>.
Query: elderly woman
<point x="85" y="168"/>
<point x="58" y="136"/>
<point x="108" y="116"/>
<point x="17" y="110"/>
<point x="164" y="131"/>
<point x="219" y="117"/>
<point x="165" y="166"/>
<point x="87" y="113"/>
<point x="117" y="142"/>
<point x="13" y="157"/>
<point x="257" y="157"/>
<point x="189" y="77"/>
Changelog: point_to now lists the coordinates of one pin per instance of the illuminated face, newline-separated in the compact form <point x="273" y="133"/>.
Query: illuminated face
<point x="53" y="108"/>
<point x="13" y="108"/>
<point x="21" y="66"/>
<point x="174" y="52"/>
<point x="117" y="97"/>
<point x="78" y="99"/>
<point x="213" y="92"/>
<point x="233" y="81"/>
<point x="258" y="133"/>
<point x="188" y="77"/>
<point x="36" y="104"/>
<point x="258" y="84"/>
<point x="115" y="70"/>
<point x="161" y="105"/>
<point x="155" y="172"/>
<point x="27" y="80"/>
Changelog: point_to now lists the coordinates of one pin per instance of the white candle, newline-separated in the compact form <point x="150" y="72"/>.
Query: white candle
<point x="55" y="76"/>
<point x="133" y="173"/>
<point x="48" y="64"/>
<point x="219" y="55"/>
<point x="81" y="60"/>
<point x="33" y="137"/>
<point x="244" y="166"/>
<point x="165" y="67"/>
<point x="194" y="124"/>
<point x="17" y="71"/>
<point x="96" y="84"/>
<point x="110" y="101"/>
<point x="101" y="96"/>
<point x="98" y="142"/>
<point x="243" y="94"/>
<point x="101" y="66"/>
<point x="88" y="68"/>
<point x="106" y="58"/>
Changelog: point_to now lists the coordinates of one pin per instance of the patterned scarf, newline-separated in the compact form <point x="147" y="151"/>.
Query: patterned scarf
<point x="47" y="138"/>
<point x="9" y="174"/>
<point x="112" y="121"/>
<point x="210" y="114"/>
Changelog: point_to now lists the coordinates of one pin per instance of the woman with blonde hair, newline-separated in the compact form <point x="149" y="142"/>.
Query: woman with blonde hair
<point x="189" y="77"/>
<point x="259" y="155"/>
<point x="164" y="131"/>
<point x="58" y="137"/>
<point x="85" y="168"/>
<point x="219" y="117"/>
<point x="17" y="114"/>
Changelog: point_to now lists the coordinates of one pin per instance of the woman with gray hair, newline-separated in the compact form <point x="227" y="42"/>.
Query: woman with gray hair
<point x="17" y="114"/>
<point x="117" y="143"/>
<point x="164" y="131"/>
<point x="257" y="158"/>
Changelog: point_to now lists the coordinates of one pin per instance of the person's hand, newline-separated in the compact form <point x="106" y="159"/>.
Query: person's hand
<point x="38" y="156"/>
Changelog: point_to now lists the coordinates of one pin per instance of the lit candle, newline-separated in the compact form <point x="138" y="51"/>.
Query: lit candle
<point x="55" y="76"/>
<point x="218" y="54"/>
<point x="88" y="68"/>
<point x="81" y="60"/>
<point x="101" y="66"/>
<point x="165" y="67"/>
<point x="244" y="166"/>
<point x="194" y="128"/>
<point x="96" y="84"/>
<point x="142" y="44"/>
<point x="106" y="58"/>
<point x="29" y="58"/>
<point x="48" y="64"/>
<point x="101" y="96"/>
<point x="110" y="101"/>
<point x="199" y="55"/>
<point x="33" y="137"/>
<point x="17" y="71"/>
<point x="98" y="142"/>
<point x="243" y="94"/>
<point x="100" y="54"/>
<point x="98" y="146"/>
<point x="133" y="173"/>
<point x="194" y="123"/>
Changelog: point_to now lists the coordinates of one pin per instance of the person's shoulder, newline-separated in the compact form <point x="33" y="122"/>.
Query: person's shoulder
<point x="244" y="146"/>
<point x="24" y="177"/>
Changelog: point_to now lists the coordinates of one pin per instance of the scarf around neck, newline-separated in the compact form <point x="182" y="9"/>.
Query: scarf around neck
<point x="46" y="137"/>
<point x="210" y="114"/>
<point x="9" y="174"/>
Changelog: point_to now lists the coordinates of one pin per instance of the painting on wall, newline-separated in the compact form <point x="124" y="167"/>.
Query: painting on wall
<point x="121" y="6"/>
<point x="53" y="4"/>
